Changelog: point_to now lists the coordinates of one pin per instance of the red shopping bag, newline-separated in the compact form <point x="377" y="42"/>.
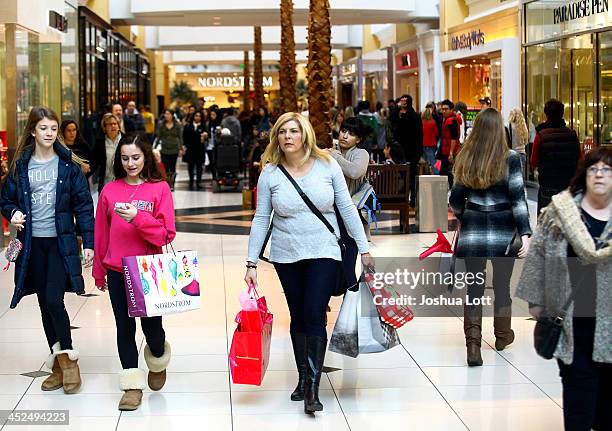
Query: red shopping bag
<point x="250" y="350"/>
<point x="391" y="312"/>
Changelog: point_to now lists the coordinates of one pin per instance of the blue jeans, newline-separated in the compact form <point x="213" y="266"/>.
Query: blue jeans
<point x="429" y="154"/>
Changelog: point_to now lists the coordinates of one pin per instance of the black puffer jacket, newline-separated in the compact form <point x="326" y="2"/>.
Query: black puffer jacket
<point x="73" y="201"/>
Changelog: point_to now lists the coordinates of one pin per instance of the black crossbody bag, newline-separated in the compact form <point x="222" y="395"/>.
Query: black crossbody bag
<point x="346" y="278"/>
<point x="547" y="331"/>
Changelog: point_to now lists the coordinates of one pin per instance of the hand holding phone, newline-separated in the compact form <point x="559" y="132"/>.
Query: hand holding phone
<point x="120" y="205"/>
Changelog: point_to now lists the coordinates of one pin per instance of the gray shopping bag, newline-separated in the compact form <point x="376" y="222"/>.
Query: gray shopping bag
<point x="344" y="339"/>
<point x="374" y="335"/>
<point x="359" y="328"/>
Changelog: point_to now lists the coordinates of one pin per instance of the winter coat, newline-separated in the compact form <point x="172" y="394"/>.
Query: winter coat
<point x="171" y="139"/>
<point x="545" y="279"/>
<point x="73" y="201"/>
<point x="408" y="132"/>
<point x="488" y="234"/>
<point x="195" y="147"/>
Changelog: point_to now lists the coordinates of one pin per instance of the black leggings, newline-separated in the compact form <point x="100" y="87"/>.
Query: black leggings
<point x="47" y="275"/>
<point x="502" y="272"/>
<point x="308" y="286"/>
<point x="126" y="325"/>
<point x="587" y="396"/>
<point x="169" y="162"/>
<point x="194" y="167"/>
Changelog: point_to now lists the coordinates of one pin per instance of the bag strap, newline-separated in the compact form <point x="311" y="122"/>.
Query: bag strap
<point x="308" y="202"/>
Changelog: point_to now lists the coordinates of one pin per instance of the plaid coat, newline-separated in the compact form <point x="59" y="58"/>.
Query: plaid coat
<point x="488" y="234"/>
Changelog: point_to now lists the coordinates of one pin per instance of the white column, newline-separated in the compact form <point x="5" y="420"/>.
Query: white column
<point x="438" y="75"/>
<point x="510" y="76"/>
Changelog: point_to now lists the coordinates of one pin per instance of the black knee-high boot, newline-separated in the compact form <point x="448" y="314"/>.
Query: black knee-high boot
<point x="315" y="349"/>
<point x="299" y="351"/>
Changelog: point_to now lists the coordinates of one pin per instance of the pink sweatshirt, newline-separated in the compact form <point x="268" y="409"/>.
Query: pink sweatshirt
<point x="152" y="228"/>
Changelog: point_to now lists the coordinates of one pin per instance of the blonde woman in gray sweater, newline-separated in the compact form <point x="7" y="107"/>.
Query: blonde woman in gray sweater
<point x="305" y="254"/>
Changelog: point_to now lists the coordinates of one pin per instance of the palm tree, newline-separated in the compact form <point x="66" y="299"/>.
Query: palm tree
<point x="288" y="72"/>
<point x="320" y="98"/>
<point x="247" y="84"/>
<point x="258" y="75"/>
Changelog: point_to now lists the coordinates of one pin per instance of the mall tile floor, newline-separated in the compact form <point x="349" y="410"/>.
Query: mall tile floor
<point x="423" y="384"/>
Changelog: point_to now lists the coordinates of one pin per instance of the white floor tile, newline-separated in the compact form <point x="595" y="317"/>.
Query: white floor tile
<point x="442" y="419"/>
<point x="217" y="422"/>
<point x="468" y="376"/>
<point x="488" y="396"/>
<point x="379" y="378"/>
<point x="323" y="421"/>
<point x="390" y="399"/>
<point x="509" y="418"/>
<point x="276" y="380"/>
<point x="81" y="404"/>
<point x="182" y="404"/>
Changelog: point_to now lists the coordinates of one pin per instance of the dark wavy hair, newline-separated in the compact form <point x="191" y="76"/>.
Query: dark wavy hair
<point x="356" y="127"/>
<point x="150" y="171"/>
<point x="599" y="154"/>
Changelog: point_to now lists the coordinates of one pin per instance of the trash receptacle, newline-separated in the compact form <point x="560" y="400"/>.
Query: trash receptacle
<point x="432" y="203"/>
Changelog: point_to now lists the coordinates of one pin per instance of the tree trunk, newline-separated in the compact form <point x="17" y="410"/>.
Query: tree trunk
<point x="246" y="101"/>
<point x="258" y="75"/>
<point x="288" y="72"/>
<point x="320" y="98"/>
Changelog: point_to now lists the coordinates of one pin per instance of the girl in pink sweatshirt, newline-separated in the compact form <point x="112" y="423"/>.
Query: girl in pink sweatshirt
<point x="135" y="217"/>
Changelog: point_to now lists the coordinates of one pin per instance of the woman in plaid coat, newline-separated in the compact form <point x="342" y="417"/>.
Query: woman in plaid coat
<point x="488" y="198"/>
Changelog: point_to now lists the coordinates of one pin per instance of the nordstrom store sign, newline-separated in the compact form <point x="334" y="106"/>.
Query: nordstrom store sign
<point x="230" y="82"/>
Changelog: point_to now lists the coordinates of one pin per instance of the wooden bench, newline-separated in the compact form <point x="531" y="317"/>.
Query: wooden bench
<point x="392" y="187"/>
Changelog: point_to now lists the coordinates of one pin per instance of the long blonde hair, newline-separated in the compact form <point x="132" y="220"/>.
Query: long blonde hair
<point x="27" y="142"/>
<point x="517" y="121"/>
<point x="274" y="155"/>
<point x="481" y="162"/>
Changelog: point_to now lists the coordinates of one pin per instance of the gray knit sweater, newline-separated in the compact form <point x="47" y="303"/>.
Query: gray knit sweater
<point x="354" y="163"/>
<point x="545" y="278"/>
<point x="298" y="234"/>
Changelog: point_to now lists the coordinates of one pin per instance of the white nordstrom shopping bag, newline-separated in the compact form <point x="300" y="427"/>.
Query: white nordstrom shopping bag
<point x="162" y="284"/>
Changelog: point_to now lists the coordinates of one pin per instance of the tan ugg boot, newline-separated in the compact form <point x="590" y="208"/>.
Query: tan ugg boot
<point x="71" y="376"/>
<point x="132" y="382"/>
<point x="55" y="380"/>
<point x="157" y="366"/>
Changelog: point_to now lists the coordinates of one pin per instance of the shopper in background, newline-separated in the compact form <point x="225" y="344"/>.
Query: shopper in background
<point x="231" y="122"/>
<point x="555" y="153"/>
<point x="449" y="145"/>
<point x="488" y="198"/>
<point x="337" y="123"/>
<point x="104" y="150"/>
<point x="126" y="125"/>
<point x="571" y="257"/>
<point x="149" y="122"/>
<point x="408" y="132"/>
<point x="518" y="135"/>
<point x="394" y="154"/>
<point x="306" y="255"/>
<point x="264" y="124"/>
<point x="140" y="226"/>
<point x="461" y="113"/>
<point x="430" y="139"/>
<point x="194" y="138"/>
<point x="485" y="103"/>
<point x="45" y="191"/>
<point x="69" y="134"/>
<point x="170" y="134"/>
<point x="135" y="117"/>
<point x="370" y="140"/>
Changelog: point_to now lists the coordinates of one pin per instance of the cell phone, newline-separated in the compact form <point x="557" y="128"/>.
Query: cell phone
<point x="120" y="205"/>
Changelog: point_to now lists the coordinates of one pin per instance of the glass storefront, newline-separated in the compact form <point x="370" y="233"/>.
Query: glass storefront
<point x="70" y="66"/>
<point x="112" y="70"/>
<point x="574" y="68"/>
<point x="472" y="79"/>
